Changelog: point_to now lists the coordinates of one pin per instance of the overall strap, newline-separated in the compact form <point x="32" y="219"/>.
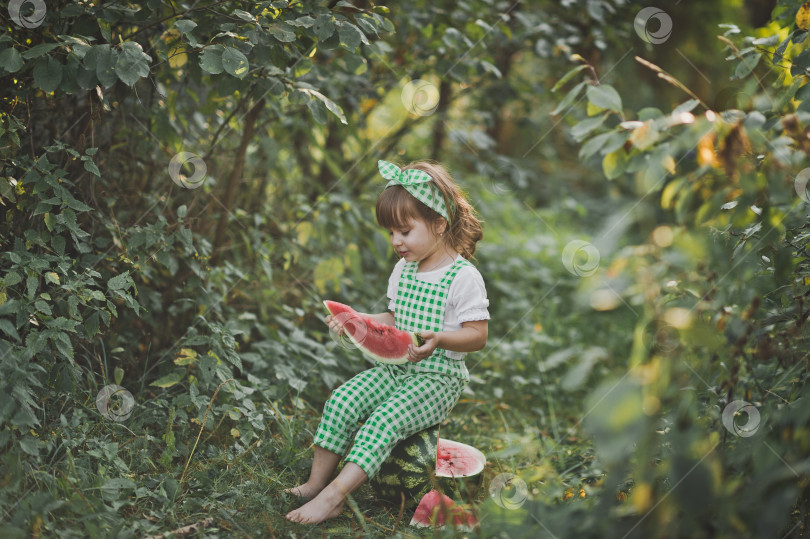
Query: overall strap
<point x="453" y="270"/>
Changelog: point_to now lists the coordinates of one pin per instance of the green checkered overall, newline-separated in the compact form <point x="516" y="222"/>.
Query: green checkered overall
<point x="396" y="400"/>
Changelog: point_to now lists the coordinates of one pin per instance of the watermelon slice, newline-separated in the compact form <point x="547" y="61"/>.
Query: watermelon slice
<point x="456" y="459"/>
<point x="376" y="340"/>
<point x="424" y="462"/>
<point x="436" y="509"/>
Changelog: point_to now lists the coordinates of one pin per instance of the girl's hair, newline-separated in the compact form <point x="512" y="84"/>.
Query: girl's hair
<point x="396" y="206"/>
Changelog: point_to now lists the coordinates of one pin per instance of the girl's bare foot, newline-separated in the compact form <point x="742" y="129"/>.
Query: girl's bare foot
<point x="327" y="504"/>
<point x="305" y="491"/>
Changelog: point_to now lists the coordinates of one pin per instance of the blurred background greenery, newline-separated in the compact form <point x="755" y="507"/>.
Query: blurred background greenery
<point x="641" y="174"/>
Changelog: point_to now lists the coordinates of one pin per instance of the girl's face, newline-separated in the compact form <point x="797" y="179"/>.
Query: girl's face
<point x="415" y="242"/>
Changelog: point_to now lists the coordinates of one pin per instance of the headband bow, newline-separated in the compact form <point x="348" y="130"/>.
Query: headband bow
<point x="417" y="183"/>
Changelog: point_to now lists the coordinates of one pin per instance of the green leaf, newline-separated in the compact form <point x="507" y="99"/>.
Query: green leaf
<point x="12" y="278"/>
<point x="86" y="78"/>
<point x="185" y="26"/>
<point x="686" y="106"/>
<point x="304" y="22"/>
<point x="91" y="167"/>
<point x="580" y="130"/>
<point x="614" y="142"/>
<point x="62" y="323"/>
<point x="490" y="68"/>
<point x="73" y="307"/>
<point x="50" y="221"/>
<point x="318" y="110"/>
<point x="91" y="326"/>
<point x="111" y="490"/>
<point x="106" y="29"/>
<point x="613" y="164"/>
<point x="8" y="328"/>
<point x="118" y="375"/>
<point x="605" y="97"/>
<point x="351" y="36"/>
<point x="29" y="445"/>
<point x="244" y="15"/>
<point x="31" y="284"/>
<point x="568" y="76"/>
<point x="62" y="342"/>
<point x="187" y="356"/>
<point x="39" y="50"/>
<point x="283" y="32"/>
<point x="170" y="379"/>
<point x="43" y="307"/>
<point x="75" y="204"/>
<point x="208" y="367"/>
<point x="211" y="59"/>
<point x="324" y="27"/>
<point x="132" y="64"/>
<point x="11" y="60"/>
<point x="330" y="105"/>
<point x="568" y="99"/>
<point x="234" y="62"/>
<point x="119" y="282"/>
<point x="103" y="59"/>
<point x="366" y="24"/>
<point x="9" y="307"/>
<point x="58" y="242"/>
<point x="746" y="65"/>
<point x="52" y="277"/>
<point x="48" y="74"/>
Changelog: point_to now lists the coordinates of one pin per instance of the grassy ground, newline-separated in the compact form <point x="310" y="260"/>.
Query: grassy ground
<point x="250" y="501"/>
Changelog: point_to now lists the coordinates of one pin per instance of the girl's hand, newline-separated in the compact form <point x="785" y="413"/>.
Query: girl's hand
<point x="334" y="325"/>
<point x="418" y="353"/>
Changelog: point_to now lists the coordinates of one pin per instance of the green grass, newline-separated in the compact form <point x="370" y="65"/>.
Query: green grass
<point x="249" y="501"/>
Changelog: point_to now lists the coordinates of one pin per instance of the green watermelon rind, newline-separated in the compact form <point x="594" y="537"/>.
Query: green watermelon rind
<point x="415" y="338"/>
<point x="406" y="477"/>
<point x="410" y="472"/>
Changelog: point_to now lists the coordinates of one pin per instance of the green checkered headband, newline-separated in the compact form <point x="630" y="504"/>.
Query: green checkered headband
<point x="417" y="183"/>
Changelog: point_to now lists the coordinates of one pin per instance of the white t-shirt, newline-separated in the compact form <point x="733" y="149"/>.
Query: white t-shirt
<point x="466" y="300"/>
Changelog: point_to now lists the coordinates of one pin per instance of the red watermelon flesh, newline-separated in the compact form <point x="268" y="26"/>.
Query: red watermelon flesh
<point x="436" y="509"/>
<point x="454" y="459"/>
<point x="378" y="341"/>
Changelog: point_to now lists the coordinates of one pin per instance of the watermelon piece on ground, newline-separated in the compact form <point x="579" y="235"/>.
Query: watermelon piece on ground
<point x="436" y="509"/>
<point x="380" y="342"/>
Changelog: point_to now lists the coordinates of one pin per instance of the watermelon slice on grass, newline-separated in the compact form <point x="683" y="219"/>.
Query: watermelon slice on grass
<point x="380" y="342"/>
<point x="436" y="509"/>
<point x="425" y="462"/>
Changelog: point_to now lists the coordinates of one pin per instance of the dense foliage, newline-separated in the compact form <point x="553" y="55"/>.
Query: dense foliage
<point x="183" y="183"/>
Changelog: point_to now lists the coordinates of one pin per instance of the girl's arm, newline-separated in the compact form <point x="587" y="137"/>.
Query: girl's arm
<point x="470" y="338"/>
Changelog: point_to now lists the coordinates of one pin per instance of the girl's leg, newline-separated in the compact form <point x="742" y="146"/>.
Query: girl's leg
<point x="324" y="464"/>
<point x="349" y="403"/>
<point x="329" y="502"/>
<point x="423" y="400"/>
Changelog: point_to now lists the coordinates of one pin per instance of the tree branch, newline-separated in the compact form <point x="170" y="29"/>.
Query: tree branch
<point x="236" y="173"/>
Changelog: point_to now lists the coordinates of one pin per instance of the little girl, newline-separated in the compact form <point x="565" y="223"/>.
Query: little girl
<point x="433" y="290"/>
